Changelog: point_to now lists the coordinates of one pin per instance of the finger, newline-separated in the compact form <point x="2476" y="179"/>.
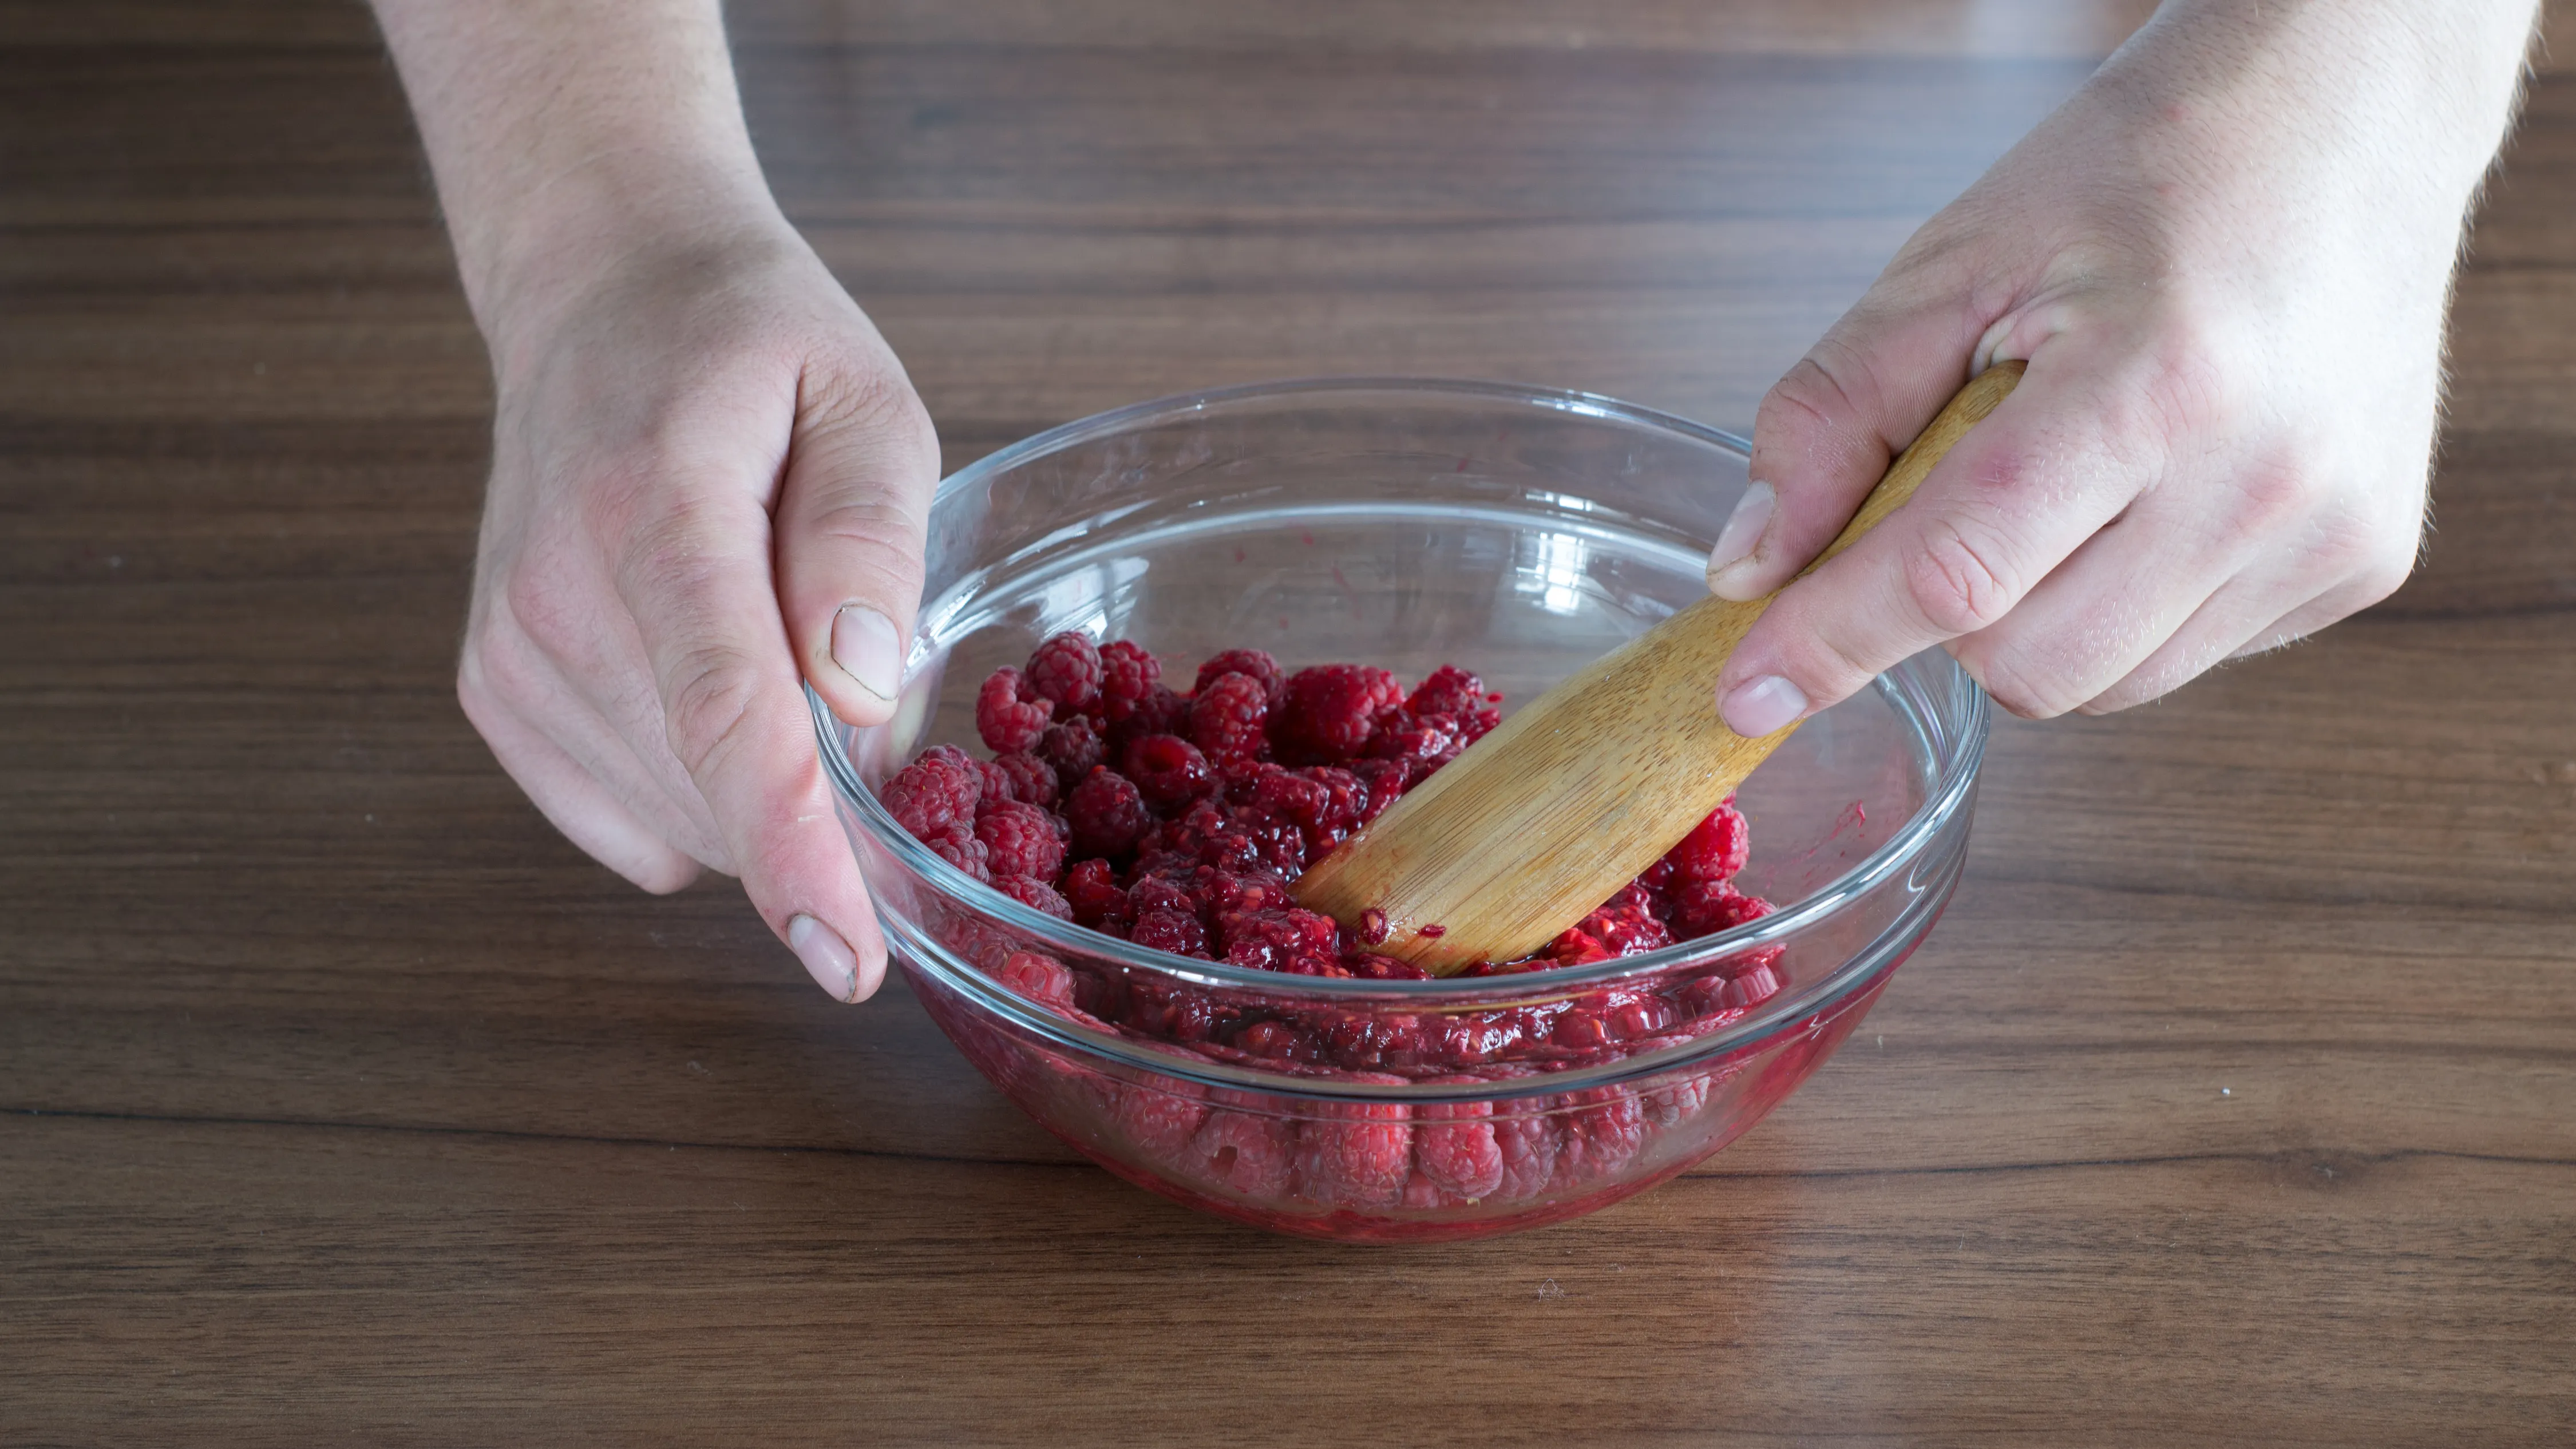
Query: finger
<point x="2250" y="616"/>
<point x="696" y="576"/>
<point x="568" y="795"/>
<point x="2016" y="496"/>
<point x="2114" y="603"/>
<point x="851" y="520"/>
<point x="2341" y="564"/>
<point x="1826" y="432"/>
<point x="563" y="686"/>
<point x="549" y="646"/>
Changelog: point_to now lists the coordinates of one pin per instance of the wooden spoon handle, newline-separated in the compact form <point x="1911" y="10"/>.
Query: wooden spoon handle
<point x="1523" y="834"/>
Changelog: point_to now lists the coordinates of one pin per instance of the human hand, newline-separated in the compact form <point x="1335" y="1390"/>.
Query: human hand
<point x="709" y="474"/>
<point x="2226" y="261"/>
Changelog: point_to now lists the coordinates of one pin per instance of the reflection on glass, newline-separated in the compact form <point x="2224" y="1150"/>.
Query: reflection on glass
<point x="1551" y="569"/>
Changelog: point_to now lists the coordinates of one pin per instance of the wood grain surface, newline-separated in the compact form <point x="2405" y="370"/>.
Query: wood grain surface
<point x="342" y="1102"/>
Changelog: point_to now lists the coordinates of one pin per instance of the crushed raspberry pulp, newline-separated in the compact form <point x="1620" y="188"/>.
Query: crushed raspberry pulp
<point x="1178" y="821"/>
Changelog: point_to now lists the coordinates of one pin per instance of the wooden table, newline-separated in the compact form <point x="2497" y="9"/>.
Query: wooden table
<point x="341" y="1101"/>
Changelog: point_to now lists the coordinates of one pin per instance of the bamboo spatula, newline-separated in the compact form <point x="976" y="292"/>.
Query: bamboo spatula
<point x="1541" y="820"/>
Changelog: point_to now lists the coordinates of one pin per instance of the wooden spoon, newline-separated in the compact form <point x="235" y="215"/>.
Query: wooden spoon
<point x="1540" y="821"/>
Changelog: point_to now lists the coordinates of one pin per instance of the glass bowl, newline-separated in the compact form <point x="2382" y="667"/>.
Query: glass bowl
<point x="1515" y="532"/>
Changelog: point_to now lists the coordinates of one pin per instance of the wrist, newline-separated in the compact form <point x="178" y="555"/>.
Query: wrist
<point x="530" y="264"/>
<point x="2411" y="101"/>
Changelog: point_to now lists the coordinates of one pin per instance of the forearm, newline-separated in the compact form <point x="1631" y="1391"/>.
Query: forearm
<point x="2408" y="99"/>
<point x="555" y="127"/>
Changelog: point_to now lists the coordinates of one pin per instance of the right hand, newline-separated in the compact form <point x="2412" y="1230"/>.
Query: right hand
<point x="710" y="476"/>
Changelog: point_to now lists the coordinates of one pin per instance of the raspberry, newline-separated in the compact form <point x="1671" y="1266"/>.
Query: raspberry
<point x="1032" y="780"/>
<point x="936" y="789"/>
<point x="1363" y="1041"/>
<point x="1329" y="711"/>
<point x="1385" y="780"/>
<point x="1454" y="1146"/>
<point x="1160" y="712"/>
<point x="1678" y="1097"/>
<point x="1174" y="931"/>
<point x="1449" y="690"/>
<point x="1177" y="1013"/>
<point x="1036" y="894"/>
<point x="997" y="785"/>
<point x="956" y="844"/>
<point x="1704" y="908"/>
<point x="1356" y="1154"/>
<point x="1578" y="947"/>
<point x="1248" y="1153"/>
<point x="1159" y="1121"/>
<point x="1065" y="671"/>
<point x="1280" y="940"/>
<point x="1107" y="814"/>
<point x="1240" y="839"/>
<point x="1098" y="900"/>
<point x="1634" y="1015"/>
<point x="1753" y="987"/>
<point x="1021" y="840"/>
<point x="1426" y="742"/>
<point x="1421" y="1194"/>
<point x="1072" y="749"/>
<point x="1127" y="677"/>
<point x="1326" y="803"/>
<point x="1609" y="932"/>
<point x="1042" y="979"/>
<point x="1163" y="892"/>
<point x="1007" y="715"/>
<point x="1603" y="1133"/>
<point x="1714" y="850"/>
<point x="1528" y="1146"/>
<point x="1386" y="968"/>
<point x="1168" y="770"/>
<point x="1277" y="1039"/>
<point x="1255" y="664"/>
<point x="1226" y="893"/>
<point x="1230" y="716"/>
<point x="1607" y="1017"/>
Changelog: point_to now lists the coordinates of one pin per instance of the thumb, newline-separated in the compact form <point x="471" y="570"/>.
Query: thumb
<point x="851" y="520"/>
<point x="1827" y="430"/>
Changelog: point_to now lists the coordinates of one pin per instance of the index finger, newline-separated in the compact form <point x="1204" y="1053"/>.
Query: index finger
<point x="2012" y="500"/>
<point x="696" y="576"/>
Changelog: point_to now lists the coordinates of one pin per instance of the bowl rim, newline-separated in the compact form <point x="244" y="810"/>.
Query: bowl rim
<point x="1951" y="787"/>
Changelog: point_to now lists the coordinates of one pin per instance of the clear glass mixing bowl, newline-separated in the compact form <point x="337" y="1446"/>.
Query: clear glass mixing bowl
<point x="1512" y="531"/>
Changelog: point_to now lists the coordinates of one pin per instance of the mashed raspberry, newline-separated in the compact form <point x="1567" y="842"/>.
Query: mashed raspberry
<point x="1178" y="822"/>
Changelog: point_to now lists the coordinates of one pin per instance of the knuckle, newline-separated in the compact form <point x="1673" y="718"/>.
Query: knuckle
<point x="1818" y="412"/>
<point x="2024" y="689"/>
<point x="874" y="402"/>
<point x="1806" y="398"/>
<point x="670" y="550"/>
<point x="2190" y="388"/>
<point x="710" y="706"/>
<point x="611" y="496"/>
<point x="2277" y="490"/>
<point x="534" y="597"/>
<point x="883" y="525"/>
<point x="1956" y="580"/>
<point x="500" y="666"/>
<point x="2379" y="558"/>
<point x="1832" y="668"/>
